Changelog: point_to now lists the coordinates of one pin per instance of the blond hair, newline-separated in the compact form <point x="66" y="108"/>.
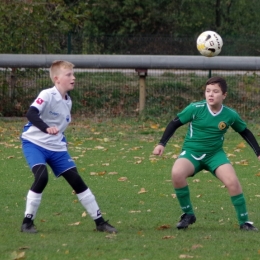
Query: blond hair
<point x="57" y="65"/>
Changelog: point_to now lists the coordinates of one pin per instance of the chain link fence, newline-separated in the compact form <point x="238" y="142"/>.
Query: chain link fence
<point x="110" y="93"/>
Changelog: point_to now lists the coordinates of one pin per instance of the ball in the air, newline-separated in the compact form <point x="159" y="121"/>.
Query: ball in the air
<point x="209" y="43"/>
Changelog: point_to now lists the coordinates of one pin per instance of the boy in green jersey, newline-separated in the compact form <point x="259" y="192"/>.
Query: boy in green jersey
<point x="208" y="121"/>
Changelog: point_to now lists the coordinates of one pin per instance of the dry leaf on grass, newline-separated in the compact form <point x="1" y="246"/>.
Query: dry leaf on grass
<point x="24" y="247"/>
<point x="138" y="162"/>
<point x="74" y="224"/>
<point x="135" y="211"/>
<point x="105" y="164"/>
<point x="168" y="237"/>
<point x="162" y="227"/>
<point x="241" y="145"/>
<point x="196" y="246"/>
<point x="185" y="256"/>
<point x="17" y="255"/>
<point x="231" y="155"/>
<point x="142" y="190"/>
<point x="122" y="179"/>
<point x="112" y="173"/>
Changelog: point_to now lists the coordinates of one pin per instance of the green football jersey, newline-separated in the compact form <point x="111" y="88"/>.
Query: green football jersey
<point x="206" y="130"/>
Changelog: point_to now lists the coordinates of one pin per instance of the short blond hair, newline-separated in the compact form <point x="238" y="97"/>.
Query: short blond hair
<point x="57" y="65"/>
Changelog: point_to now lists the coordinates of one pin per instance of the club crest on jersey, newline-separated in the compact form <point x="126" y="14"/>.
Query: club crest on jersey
<point x="222" y="125"/>
<point x="39" y="101"/>
<point x="68" y="118"/>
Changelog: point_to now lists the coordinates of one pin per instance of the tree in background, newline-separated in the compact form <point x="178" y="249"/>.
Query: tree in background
<point x="126" y="26"/>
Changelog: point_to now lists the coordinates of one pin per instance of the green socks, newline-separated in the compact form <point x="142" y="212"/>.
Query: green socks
<point x="183" y="196"/>
<point x="240" y="206"/>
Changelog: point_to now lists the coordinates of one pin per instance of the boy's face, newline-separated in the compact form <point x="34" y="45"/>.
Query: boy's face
<point x="214" y="94"/>
<point x="65" y="79"/>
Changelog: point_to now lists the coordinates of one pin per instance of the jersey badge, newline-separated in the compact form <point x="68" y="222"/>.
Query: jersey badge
<point x="222" y="125"/>
<point x="39" y="101"/>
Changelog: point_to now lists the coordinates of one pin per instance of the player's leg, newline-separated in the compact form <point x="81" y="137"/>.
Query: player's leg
<point x="62" y="165"/>
<point x="36" y="161"/>
<point x="181" y="170"/>
<point x="226" y="174"/>
<point x="87" y="199"/>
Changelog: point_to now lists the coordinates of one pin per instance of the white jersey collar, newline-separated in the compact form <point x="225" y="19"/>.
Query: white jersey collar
<point x="214" y="114"/>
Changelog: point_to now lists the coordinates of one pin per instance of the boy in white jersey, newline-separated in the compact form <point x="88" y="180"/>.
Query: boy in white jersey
<point x="203" y="149"/>
<point x="43" y="141"/>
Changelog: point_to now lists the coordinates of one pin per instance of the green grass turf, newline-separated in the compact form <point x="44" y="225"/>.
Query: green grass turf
<point x="146" y="221"/>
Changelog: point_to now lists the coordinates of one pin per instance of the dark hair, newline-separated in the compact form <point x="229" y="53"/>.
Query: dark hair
<point x="222" y="83"/>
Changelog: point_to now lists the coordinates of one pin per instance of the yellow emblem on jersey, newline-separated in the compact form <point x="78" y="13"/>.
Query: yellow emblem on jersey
<point x="222" y="125"/>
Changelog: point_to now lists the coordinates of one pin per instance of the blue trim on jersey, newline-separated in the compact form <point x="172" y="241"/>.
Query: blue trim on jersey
<point x="27" y="126"/>
<point x="64" y="138"/>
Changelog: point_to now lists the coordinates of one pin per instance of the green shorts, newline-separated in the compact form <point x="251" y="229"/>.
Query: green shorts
<point x="209" y="162"/>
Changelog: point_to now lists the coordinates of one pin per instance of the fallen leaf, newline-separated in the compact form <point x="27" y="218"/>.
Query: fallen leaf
<point x="241" y="145"/>
<point x="18" y="255"/>
<point x="196" y="180"/>
<point x="142" y="190"/>
<point x="185" y="256"/>
<point x="168" y="237"/>
<point x="154" y="126"/>
<point x="196" y="246"/>
<point x="99" y="147"/>
<point x="110" y="236"/>
<point x="84" y="214"/>
<point x="162" y="227"/>
<point x="134" y="211"/>
<point x="24" y="247"/>
<point x="74" y="224"/>
<point x="138" y="162"/>
<point x="122" y="179"/>
<point x="174" y="196"/>
<point x="112" y="173"/>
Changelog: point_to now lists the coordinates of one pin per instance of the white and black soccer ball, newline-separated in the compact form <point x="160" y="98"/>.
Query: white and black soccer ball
<point x="209" y="44"/>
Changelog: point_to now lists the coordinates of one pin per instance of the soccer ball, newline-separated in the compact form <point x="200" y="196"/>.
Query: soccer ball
<point x="209" y="44"/>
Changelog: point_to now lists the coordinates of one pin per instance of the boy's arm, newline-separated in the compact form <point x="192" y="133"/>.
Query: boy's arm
<point x="250" y="139"/>
<point x="33" y="116"/>
<point x="170" y="130"/>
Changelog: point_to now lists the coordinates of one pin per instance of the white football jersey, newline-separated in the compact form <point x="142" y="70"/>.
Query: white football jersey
<point x="54" y="111"/>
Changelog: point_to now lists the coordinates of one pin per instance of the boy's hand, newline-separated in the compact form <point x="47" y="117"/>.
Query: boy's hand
<point x="158" y="150"/>
<point x="53" y="130"/>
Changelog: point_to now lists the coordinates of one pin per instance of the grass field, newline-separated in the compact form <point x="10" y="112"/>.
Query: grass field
<point x="141" y="205"/>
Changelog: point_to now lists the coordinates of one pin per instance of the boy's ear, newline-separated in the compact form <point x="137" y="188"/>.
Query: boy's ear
<point x="55" y="78"/>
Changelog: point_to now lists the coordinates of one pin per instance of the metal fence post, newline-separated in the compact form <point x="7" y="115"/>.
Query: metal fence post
<point x="142" y="73"/>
